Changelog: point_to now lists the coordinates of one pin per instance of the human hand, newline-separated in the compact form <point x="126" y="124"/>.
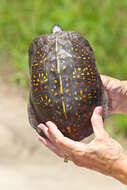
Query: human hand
<point x="117" y="94"/>
<point x="101" y="154"/>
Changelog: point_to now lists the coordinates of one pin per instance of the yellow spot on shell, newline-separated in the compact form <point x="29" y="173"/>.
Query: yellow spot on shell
<point x="69" y="129"/>
<point x="71" y="108"/>
<point x="58" y="112"/>
<point x="75" y="93"/>
<point x="64" y="67"/>
<point x="55" y="81"/>
<point x="84" y="57"/>
<point x="41" y="98"/>
<point x="79" y="69"/>
<point x="81" y="92"/>
<point x="52" y="69"/>
<point x="55" y="94"/>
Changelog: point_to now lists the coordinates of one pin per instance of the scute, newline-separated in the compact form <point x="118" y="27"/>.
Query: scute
<point x="65" y="84"/>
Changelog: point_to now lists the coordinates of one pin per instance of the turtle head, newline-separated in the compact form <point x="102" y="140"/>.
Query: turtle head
<point x="56" y="28"/>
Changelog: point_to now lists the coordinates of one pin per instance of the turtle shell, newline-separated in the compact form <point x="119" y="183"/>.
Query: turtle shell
<point x="65" y="85"/>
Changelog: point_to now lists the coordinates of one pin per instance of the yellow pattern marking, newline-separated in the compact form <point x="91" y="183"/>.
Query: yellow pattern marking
<point x="69" y="129"/>
<point x="58" y="63"/>
<point x="41" y="98"/>
<point x="61" y="84"/>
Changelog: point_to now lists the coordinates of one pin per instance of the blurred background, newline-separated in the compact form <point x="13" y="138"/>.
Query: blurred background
<point x="104" y="24"/>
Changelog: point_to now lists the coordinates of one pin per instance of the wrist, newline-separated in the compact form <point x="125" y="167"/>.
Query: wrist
<point x="119" y="169"/>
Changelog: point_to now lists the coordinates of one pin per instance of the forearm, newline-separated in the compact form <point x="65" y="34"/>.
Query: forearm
<point x="119" y="169"/>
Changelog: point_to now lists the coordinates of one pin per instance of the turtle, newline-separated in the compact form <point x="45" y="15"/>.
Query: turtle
<point x="65" y="85"/>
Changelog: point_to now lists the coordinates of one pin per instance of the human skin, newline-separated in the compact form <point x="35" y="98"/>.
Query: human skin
<point x="102" y="154"/>
<point x="117" y="94"/>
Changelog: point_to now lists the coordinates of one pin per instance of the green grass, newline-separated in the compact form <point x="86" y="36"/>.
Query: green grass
<point x="102" y="22"/>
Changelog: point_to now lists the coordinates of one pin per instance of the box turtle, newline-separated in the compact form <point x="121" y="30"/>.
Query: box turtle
<point x="65" y="85"/>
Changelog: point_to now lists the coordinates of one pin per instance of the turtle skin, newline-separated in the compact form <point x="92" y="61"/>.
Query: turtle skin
<point x="65" y="85"/>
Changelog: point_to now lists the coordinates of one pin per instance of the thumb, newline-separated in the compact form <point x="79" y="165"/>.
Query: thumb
<point x="97" y="122"/>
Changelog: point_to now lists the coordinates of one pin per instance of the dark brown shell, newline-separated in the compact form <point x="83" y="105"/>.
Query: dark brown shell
<point x="65" y="84"/>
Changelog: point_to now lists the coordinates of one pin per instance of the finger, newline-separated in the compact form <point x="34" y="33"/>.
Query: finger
<point x="60" y="141"/>
<point x="52" y="147"/>
<point x="105" y="80"/>
<point x="97" y="123"/>
<point x="44" y="128"/>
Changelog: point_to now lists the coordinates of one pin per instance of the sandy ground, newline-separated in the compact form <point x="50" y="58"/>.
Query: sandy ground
<point x="25" y="164"/>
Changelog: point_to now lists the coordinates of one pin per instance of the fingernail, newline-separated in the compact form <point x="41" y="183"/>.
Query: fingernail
<point x="50" y="123"/>
<point x="98" y="110"/>
<point x="41" y="125"/>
